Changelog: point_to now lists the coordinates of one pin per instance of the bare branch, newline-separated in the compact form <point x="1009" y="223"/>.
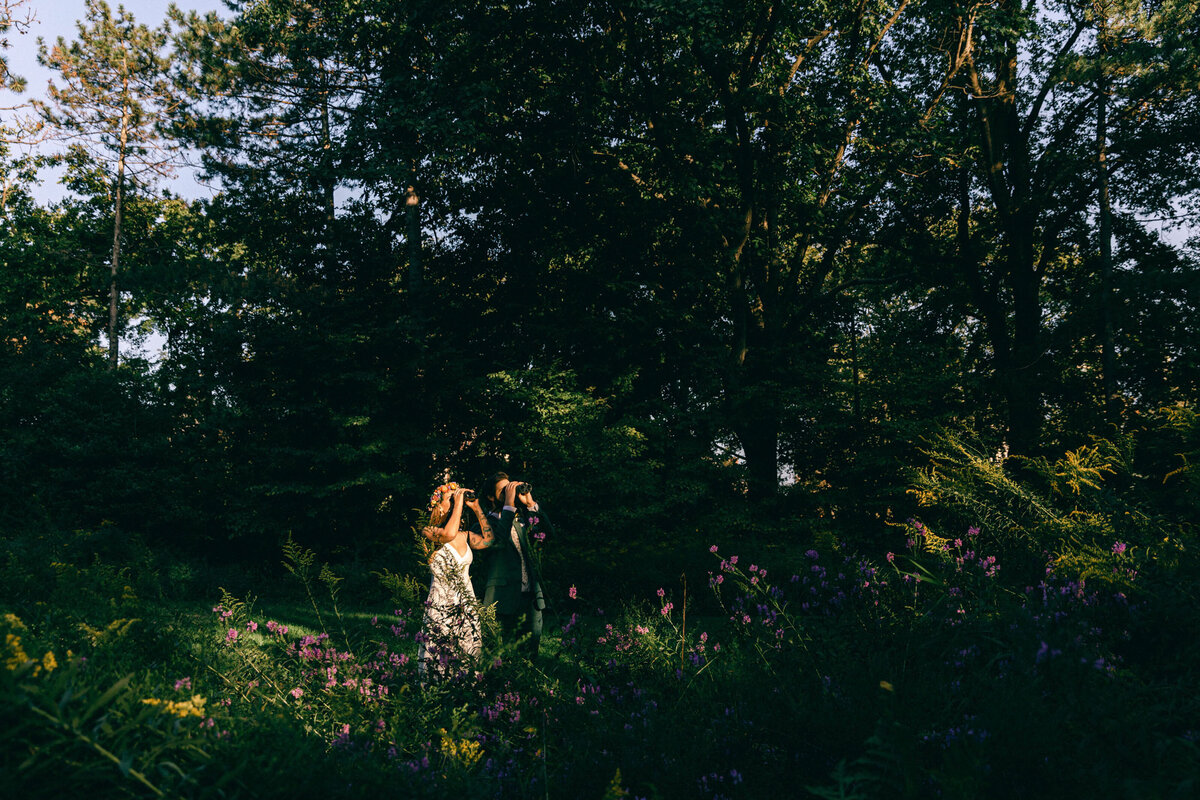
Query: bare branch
<point x="1036" y="109"/>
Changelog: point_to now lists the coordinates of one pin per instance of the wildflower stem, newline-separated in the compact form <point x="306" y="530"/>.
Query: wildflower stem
<point x="99" y="749"/>
<point x="683" y="634"/>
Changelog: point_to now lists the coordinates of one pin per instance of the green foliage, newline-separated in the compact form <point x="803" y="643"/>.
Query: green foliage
<point x="1185" y="421"/>
<point x="650" y="257"/>
<point x="60" y="709"/>
<point x="753" y="243"/>
<point x="901" y="678"/>
<point x="567" y="435"/>
<point x="881" y="771"/>
<point x="1081" y="506"/>
<point x="976" y="487"/>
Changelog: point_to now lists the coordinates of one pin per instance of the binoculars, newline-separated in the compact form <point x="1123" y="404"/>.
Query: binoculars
<point x="469" y="494"/>
<point x="524" y="488"/>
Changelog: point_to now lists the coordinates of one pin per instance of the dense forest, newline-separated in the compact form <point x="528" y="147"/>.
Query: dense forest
<point x="826" y="283"/>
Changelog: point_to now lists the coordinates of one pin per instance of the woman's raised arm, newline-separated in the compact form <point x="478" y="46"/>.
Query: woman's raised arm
<point x="450" y="530"/>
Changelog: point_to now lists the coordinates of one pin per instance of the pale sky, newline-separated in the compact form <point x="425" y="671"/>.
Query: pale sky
<point x="57" y="18"/>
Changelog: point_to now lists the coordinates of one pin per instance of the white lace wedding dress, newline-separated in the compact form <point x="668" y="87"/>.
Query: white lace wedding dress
<point x="450" y="635"/>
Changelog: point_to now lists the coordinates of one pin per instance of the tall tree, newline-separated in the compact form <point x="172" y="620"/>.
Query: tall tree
<point x="1042" y="115"/>
<point x="110" y="104"/>
<point x="761" y="138"/>
<point x="314" y="357"/>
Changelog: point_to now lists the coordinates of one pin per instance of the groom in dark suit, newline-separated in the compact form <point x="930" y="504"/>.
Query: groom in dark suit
<point x="513" y="582"/>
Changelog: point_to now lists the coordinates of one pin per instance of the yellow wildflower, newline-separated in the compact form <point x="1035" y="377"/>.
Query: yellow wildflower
<point x="14" y="655"/>
<point x="179" y="708"/>
<point x="464" y="751"/>
<point x="49" y="662"/>
<point x="615" y="790"/>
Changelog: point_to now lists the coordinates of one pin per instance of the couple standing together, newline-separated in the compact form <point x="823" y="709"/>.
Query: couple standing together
<point x="451" y="637"/>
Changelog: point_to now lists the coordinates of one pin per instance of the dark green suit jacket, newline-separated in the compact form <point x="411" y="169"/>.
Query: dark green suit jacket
<point x="503" y="581"/>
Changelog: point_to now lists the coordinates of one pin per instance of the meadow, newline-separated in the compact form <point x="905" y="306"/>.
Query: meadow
<point x="955" y="661"/>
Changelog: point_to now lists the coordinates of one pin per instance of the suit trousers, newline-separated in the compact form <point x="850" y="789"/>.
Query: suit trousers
<point x="527" y="621"/>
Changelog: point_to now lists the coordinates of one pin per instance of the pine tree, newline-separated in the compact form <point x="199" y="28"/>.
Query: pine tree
<point x="109" y="105"/>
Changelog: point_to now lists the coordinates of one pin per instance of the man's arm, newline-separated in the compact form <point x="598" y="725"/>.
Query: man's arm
<point x="502" y="528"/>
<point x="484" y="537"/>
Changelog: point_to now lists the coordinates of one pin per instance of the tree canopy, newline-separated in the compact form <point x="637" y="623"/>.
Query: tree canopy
<point x="659" y="256"/>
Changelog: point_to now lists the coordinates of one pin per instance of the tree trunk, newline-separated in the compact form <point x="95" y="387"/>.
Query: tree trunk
<point x="856" y="400"/>
<point x="118" y="207"/>
<point x="1006" y="163"/>
<point x="112" y="284"/>
<point x="415" y="268"/>
<point x="1107" y="346"/>
<point x="327" y="180"/>
<point x="1023" y="381"/>
<point x="758" y="431"/>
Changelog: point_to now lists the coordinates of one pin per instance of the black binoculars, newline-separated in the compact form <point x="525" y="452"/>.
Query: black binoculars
<point x="524" y="488"/>
<point x="469" y="494"/>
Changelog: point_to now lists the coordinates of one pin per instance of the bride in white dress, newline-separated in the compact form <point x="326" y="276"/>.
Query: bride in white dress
<point x="450" y="637"/>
